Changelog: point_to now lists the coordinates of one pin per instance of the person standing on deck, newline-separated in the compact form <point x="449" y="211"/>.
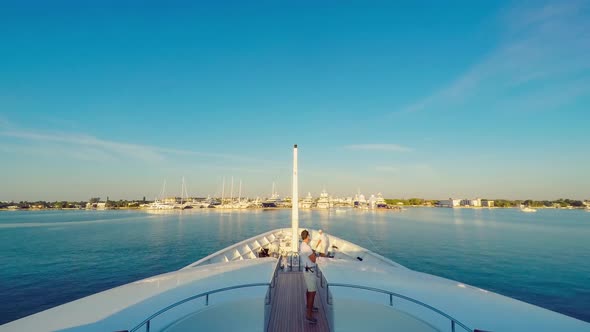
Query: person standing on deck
<point x="322" y="245"/>
<point x="308" y="258"/>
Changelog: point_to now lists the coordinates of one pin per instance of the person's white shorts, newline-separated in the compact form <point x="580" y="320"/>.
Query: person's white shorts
<point x="310" y="281"/>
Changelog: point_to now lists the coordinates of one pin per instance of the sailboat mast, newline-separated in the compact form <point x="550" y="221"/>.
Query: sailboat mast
<point x="182" y="191"/>
<point x="240" y="192"/>
<point x="232" y="191"/>
<point x="223" y="191"/>
<point x="295" y="206"/>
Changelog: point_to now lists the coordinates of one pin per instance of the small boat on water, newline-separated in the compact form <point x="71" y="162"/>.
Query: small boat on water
<point x="527" y="209"/>
<point x="257" y="285"/>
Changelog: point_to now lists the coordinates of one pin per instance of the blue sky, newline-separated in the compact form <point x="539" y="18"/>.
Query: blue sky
<point x="469" y="99"/>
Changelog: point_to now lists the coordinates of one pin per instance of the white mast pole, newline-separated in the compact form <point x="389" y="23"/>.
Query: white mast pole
<point x="223" y="192"/>
<point x="182" y="191"/>
<point x="240" y="192"/>
<point x="295" y="206"/>
<point x="232" y="191"/>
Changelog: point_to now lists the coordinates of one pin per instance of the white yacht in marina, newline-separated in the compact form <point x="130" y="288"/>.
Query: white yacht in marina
<point x="257" y="285"/>
<point x="380" y="202"/>
<point x="360" y="202"/>
<point x="527" y="209"/>
<point x="159" y="205"/>
<point x="324" y="200"/>
<point x="171" y="203"/>
<point x="307" y="202"/>
<point x="274" y="200"/>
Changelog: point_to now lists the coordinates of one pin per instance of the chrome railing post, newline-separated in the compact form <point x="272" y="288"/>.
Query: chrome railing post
<point x="391" y="300"/>
<point x="207" y="299"/>
<point x="147" y="326"/>
<point x="452" y="325"/>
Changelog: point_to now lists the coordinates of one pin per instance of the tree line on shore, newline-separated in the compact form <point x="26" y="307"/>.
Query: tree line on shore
<point x="122" y="203"/>
<point x="393" y="201"/>
<point x="497" y="202"/>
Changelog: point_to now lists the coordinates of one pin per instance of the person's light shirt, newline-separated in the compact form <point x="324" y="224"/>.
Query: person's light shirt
<point x="304" y="253"/>
<point x="322" y="243"/>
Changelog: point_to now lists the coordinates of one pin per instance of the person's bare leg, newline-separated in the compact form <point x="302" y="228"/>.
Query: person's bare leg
<point x="310" y="298"/>
<point x="309" y="308"/>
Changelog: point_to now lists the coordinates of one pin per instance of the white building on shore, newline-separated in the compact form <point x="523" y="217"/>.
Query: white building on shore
<point x="487" y="203"/>
<point x="450" y="203"/>
<point x="458" y="202"/>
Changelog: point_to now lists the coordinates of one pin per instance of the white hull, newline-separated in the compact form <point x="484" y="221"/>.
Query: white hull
<point x="124" y="307"/>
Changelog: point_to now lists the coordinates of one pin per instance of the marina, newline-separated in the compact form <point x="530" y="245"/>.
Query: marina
<point x="429" y="240"/>
<point x="147" y="182"/>
<point x="442" y="304"/>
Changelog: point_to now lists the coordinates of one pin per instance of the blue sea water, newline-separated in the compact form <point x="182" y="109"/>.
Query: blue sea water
<point x="49" y="258"/>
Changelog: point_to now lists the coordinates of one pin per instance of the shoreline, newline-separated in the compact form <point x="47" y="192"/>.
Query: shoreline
<point x="394" y="209"/>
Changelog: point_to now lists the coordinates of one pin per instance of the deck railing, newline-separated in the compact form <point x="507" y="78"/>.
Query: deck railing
<point x="268" y="298"/>
<point x="323" y="281"/>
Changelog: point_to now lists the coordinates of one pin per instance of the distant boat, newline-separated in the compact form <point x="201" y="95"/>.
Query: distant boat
<point x="381" y="204"/>
<point x="360" y="201"/>
<point x="184" y="204"/>
<point x="323" y="201"/>
<point x="307" y="202"/>
<point x="160" y="204"/>
<point x="527" y="209"/>
<point x="274" y="200"/>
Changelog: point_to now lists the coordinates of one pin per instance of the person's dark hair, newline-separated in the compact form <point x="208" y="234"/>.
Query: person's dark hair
<point x="304" y="234"/>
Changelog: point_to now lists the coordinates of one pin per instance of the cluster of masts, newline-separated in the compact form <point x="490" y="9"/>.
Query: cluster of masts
<point x="324" y="201"/>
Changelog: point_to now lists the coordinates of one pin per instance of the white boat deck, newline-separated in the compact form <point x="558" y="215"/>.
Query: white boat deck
<point x="288" y="310"/>
<point x="342" y="308"/>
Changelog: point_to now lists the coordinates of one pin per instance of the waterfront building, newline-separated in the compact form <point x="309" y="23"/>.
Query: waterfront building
<point x="450" y="203"/>
<point x="471" y="202"/>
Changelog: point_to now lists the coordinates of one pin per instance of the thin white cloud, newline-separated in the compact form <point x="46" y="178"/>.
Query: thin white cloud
<point x="543" y="49"/>
<point x="51" y="150"/>
<point x="389" y="169"/>
<point x="378" y="147"/>
<point x="83" y="145"/>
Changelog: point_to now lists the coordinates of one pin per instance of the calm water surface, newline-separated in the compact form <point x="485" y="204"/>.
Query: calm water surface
<point x="48" y="258"/>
